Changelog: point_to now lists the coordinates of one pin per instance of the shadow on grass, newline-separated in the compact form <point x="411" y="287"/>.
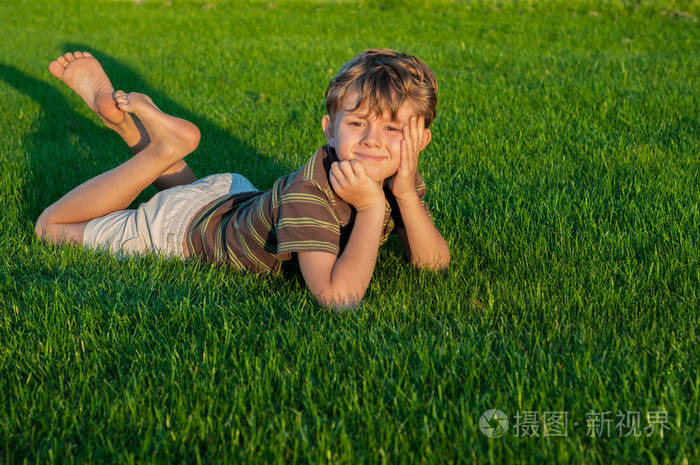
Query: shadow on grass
<point x="65" y="148"/>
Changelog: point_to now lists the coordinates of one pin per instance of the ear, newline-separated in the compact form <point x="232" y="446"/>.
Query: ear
<point x="328" y="130"/>
<point x="427" y="135"/>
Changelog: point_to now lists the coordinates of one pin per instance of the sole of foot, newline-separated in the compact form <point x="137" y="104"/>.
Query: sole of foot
<point x="171" y="137"/>
<point x="83" y="74"/>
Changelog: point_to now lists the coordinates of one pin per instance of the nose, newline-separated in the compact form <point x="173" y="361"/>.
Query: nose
<point x="371" y="136"/>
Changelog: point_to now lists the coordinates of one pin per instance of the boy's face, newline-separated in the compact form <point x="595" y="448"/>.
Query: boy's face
<point x="374" y="142"/>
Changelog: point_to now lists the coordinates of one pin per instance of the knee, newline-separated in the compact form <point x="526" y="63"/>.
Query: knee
<point x="44" y="228"/>
<point x="58" y="233"/>
<point x="41" y="227"/>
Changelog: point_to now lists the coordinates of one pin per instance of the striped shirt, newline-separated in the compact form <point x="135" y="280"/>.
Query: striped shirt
<point x="258" y="231"/>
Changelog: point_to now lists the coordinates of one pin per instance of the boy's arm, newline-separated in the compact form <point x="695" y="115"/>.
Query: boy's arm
<point x="341" y="281"/>
<point x="424" y="244"/>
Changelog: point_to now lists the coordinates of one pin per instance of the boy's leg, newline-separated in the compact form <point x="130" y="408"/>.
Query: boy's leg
<point x="83" y="73"/>
<point x="171" y="140"/>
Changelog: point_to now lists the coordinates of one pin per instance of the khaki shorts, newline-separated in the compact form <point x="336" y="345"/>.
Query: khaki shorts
<point x="158" y="226"/>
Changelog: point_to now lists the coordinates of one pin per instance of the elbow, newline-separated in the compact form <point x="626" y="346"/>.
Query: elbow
<point x="444" y="261"/>
<point x="435" y="263"/>
<point x="339" y="301"/>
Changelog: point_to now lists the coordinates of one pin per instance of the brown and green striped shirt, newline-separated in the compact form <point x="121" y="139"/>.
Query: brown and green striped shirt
<point x="257" y="231"/>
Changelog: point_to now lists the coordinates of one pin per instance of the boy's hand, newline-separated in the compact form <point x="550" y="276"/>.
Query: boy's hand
<point x="351" y="183"/>
<point x="403" y="183"/>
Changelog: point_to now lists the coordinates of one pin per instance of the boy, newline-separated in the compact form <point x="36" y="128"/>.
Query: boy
<point x="331" y="215"/>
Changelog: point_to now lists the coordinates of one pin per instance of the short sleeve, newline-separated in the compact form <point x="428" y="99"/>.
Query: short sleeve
<point x="306" y="221"/>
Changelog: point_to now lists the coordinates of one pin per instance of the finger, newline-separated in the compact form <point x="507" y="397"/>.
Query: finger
<point x="421" y="132"/>
<point x="333" y="179"/>
<point x="358" y="169"/>
<point x="406" y="130"/>
<point x="337" y="172"/>
<point x="416" y="131"/>
<point x="338" y="181"/>
<point x="410" y="138"/>
<point x="407" y="135"/>
<point x="346" y="168"/>
<point x="404" y="156"/>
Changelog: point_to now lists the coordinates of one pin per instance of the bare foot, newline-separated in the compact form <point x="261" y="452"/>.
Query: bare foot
<point x="84" y="74"/>
<point x="171" y="137"/>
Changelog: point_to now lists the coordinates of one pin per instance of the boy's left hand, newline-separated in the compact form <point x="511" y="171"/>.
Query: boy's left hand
<point x="403" y="183"/>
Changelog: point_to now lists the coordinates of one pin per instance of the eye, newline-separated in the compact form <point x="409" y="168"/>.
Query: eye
<point x="356" y="123"/>
<point x="392" y="128"/>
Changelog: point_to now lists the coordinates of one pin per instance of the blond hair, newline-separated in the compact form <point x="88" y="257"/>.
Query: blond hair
<point x="385" y="79"/>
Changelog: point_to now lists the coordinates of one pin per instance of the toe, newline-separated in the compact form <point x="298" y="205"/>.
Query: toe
<point x="121" y="98"/>
<point x="123" y="105"/>
<point x="78" y="54"/>
<point x="62" y="61"/>
<point x="56" y="68"/>
<point x="69" y="57"/>
<point x="87" y="54"/>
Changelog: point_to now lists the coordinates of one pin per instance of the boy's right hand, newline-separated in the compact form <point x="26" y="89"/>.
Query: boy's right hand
<point x="351" y="183"/>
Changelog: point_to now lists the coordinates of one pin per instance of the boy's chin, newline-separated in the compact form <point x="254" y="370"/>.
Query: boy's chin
<point x="378" y="178"/>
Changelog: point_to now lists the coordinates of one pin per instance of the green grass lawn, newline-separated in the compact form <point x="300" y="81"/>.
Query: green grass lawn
<point x="563" y="172"/>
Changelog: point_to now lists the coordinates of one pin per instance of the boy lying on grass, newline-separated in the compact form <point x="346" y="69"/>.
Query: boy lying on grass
<point x="331" y="215"/>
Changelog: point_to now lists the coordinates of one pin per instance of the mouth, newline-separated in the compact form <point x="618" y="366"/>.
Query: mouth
<point x="369" y="157"/>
